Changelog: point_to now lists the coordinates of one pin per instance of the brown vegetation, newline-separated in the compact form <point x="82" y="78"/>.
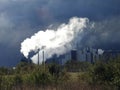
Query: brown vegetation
<point x="84" y="76"/>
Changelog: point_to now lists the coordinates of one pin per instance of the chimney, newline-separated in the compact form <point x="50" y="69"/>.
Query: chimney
<point x="38" y="56"/>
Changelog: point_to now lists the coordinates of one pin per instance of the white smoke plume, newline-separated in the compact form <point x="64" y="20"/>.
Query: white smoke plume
<point x="58" y="41"/>
<point x="100" y="51"/>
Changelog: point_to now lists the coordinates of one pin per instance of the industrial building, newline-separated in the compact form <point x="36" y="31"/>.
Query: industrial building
<point x="85" y="54"/>
<point x="110" y="54"/>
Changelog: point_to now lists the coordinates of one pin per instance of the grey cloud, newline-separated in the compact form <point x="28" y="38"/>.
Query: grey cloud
<point x="8" y="33"/>
<point x="5" y="25"/>
<point x="106" y="34"/>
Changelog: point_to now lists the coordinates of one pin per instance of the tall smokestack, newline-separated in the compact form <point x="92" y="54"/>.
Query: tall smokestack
<point x="43" y="57"/>
<point x="38" y="56"/>
<point x="43" y="60"/>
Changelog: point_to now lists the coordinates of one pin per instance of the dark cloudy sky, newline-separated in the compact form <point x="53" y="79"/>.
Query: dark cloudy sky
<point x="20" y="19"/>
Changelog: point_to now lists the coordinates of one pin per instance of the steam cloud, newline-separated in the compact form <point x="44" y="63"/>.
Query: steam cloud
<point x="100" y="51"/>
<point x="58" y="41"/>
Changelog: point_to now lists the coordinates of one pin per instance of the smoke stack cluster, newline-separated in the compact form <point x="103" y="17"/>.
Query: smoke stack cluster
<point x="58" y="41"/>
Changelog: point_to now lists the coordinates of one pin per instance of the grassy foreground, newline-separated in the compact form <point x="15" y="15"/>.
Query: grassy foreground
<point x="71" y="76"/>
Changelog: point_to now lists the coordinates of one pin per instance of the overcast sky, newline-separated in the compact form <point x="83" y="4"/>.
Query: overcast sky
<point x="20" y="19"/>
